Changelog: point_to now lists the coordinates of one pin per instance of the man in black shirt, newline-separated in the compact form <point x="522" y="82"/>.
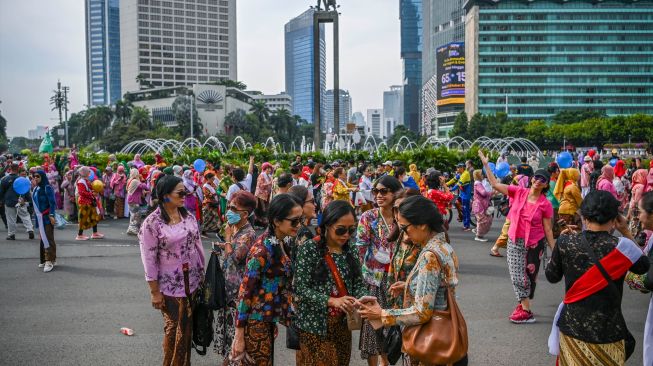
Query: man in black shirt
<point x="524" y="168"/>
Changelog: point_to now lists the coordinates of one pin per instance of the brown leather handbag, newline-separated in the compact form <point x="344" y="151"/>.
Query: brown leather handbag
<point x="443" y="339"/>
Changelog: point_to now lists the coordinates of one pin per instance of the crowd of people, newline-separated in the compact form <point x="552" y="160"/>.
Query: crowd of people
<point x="320" y="247"/>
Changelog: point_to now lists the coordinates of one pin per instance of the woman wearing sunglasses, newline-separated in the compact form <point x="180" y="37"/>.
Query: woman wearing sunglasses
<point x="305" y="196"/>
<point x="44" y="211"/>
<point x="239" y="238"/>
<point x="375" y="251"/>
<point x="171" y="251"/>
<point x="264" y="296"/>
<point x="327" y="283"/>
<point x="436" y="269"/>
<point x="531" y="227"/>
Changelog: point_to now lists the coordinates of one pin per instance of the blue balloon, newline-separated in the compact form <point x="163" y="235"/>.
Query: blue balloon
<point x="565" y="160"/>
<point x="22" y="185"/>
<point x="493" y="168"/>
<point x="91" y="176"/>
<point x="199" y="165"/>
<point x="613" y="162"/>
<point x="502" y="169"/>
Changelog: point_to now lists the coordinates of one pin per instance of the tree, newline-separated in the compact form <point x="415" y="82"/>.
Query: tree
<point x="234" y="122"/>
<point x="142" y="81"/>
<point x="97" y="120"/>
<point x="400" y="131"/>
<point x="20" y="143"/>
<point x="141" y="118"/>
<point x="231" y="84"/>
<point x="460" y="126"/>
<point x="3" y="134"/>
<point x="568" y="117"/>
<point x="477" y="126"/>
<point x="58" y="101"/>
<point x="123" y="110"/>
<point x="260" y="110"/>
<point x="181" y="110"/>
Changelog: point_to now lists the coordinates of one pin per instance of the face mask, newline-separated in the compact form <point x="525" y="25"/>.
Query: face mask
<point x="232" y="217"/>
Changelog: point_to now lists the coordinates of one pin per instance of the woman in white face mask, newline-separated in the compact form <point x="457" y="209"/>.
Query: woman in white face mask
<point x="239" y="237"/>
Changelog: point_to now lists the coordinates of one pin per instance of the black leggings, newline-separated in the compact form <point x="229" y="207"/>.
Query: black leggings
<point x="80" y="232"/>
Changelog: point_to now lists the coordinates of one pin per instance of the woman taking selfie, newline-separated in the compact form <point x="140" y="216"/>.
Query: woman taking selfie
<point x="435" y="272"/>
<point x="264" y="296"/>
<point x="327" y="283"/>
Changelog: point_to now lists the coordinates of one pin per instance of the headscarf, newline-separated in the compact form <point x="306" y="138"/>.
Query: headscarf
<point x="566" y="175"/>
<point x="134" y="181"/>
<point x="188" y="181"/>
<point x="620" y="169"/>
<point x="177" y="170"/>
<point x="137" y="162"/>
<point x="649" y="180"/>
<point x="607" y="173"/>
<point x="44" y="179"/>
<point x="414" y="173"/>
<point x="639" y="184"/>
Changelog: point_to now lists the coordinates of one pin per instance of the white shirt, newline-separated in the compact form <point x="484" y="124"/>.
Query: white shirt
<point x="234" y="187"/>
<point x="365" y="187"/>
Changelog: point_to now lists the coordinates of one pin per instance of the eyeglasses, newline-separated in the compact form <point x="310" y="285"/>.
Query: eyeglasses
<point x="540" y="178"/>
<point x="341" y="230"/>
<point x="36" y="176"/>
<point x="182" y="194"/>
<point x="309" y="201"/>
<point x="404" y="228"/>
<point x="295" y="221"/>
<point x="383" y="191"/>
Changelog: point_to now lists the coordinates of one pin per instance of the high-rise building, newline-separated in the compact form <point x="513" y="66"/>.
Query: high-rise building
<point x="444" y="23"/>
<point x="392" y="109"/>
<point x="37" y="133"/>
<point x="275" y="101"/>
<point x="173" y="43"/>
<point x="345" y="108"/>
<point x="410" y="15"/>
<point x="374" y="122"/>
<point x="299" y="65"/>
<point x="534" y="59"/>
<point x="102" y="51"/>
<point x="358" y="118"/>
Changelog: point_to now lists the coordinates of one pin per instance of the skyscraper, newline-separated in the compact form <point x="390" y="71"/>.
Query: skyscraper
<point x="411" y="53"/>
<point x="535" y="59"/>
<point x="444" y="23"/>
<point x="102" y="51"/>
<point x="392" y="109"/>
<point x="181" y="42"/>
<point x="374" y="122"/>
<point x="299" y="65"/>
<point x="345" y="108"/>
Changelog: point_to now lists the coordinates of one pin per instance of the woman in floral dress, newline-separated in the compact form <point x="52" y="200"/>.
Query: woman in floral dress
<point x="327" y="283"/>
<point x="375" y="253"/>
<point x="210" y="205"/>
<point x="239" y="238"/>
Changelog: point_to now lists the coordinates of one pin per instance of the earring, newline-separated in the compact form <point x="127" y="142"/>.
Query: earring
<point x="166" y="199"/>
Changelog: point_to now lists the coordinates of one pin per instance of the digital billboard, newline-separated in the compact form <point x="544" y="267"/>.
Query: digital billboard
<point x="451" y="74"/>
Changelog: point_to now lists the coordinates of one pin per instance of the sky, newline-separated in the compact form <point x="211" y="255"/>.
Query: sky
<point x="42" y="41"/>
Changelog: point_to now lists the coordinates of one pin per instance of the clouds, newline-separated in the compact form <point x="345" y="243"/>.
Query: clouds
<point x="42" y="41"/>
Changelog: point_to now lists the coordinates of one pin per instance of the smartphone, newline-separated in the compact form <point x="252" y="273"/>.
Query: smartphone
<point x="562" y="223"/>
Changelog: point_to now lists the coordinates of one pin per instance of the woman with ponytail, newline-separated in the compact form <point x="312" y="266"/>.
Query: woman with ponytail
<point x="173" y="259"/>
<point x="327" y="283"/>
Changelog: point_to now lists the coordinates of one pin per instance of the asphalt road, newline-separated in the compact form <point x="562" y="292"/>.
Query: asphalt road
<point x="72" y="316"/>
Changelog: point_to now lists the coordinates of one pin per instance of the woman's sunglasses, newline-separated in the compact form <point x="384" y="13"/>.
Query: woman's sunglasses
<point x="340" y="231"/>
<point x="383" y="191"/>
<point x="404" y="228"/>
<point x="540" y="178"/>
<point x="182" y="194"/>
<point x="36" y="176"/>
<point x="294" y="222"/>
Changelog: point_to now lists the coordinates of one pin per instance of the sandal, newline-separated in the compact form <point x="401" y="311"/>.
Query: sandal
<point x="495" y="254"/>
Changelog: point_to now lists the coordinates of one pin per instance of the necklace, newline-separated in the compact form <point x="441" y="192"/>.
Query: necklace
<point x="174" y="220"/>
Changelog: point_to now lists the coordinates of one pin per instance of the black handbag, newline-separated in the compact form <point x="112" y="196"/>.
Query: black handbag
<point x="200" y="314"/>
<point x="392" y="344"/>
<point x="292" y="337"/>
<point x="215" y="284"/>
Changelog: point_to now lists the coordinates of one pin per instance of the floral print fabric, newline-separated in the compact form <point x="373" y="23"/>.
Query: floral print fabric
<point x="233" y="264"/>
<point x="426" y="288"/>
<point x="164" y="250"/>
<point x="372" y="237"/>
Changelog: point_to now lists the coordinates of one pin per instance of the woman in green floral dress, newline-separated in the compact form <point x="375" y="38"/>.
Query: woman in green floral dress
<point x="327" y="282"/>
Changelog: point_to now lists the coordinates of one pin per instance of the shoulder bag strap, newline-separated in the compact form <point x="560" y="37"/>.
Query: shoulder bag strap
<point x="597" y="263"/>
<point x="340" y="284"/>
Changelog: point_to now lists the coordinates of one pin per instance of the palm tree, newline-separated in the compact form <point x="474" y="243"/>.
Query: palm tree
<point x="97" y="120"/>
<point x="260" y="110"/>
<point x="123" y="110"/>
<point x="231" y="84"/>
<point x="141" y="118"/>
<point x="142" y="81"/>
<point x="58" y="101"/>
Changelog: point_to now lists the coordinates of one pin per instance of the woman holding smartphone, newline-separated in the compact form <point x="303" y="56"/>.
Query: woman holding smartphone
<point x="327" y="282"/>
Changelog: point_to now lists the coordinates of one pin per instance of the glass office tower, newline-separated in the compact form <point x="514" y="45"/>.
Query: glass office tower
<point x="299" y="65"/>
<point x="410" y="14"/>
<point x="102" y="51"/>
<point x="535" y="59"/>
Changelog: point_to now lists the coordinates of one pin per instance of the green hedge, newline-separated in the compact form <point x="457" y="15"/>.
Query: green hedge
<point x="439" y="158"/>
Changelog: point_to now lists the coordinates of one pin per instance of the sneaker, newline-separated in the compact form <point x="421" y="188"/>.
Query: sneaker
<point x="480" y="239"/>
<point x="467" y="229"/>
<point x="518" y="309"/>
<point x="97" y="236"/>
<point x="474" y="230"/>
<point x="31" y="234"/>
<point x="523" y="317"/>
<point x="11" y="237"/>
<point x="48" y="267"/>
<point x="41" y="265"/>
<point x="81" y="237"/>
<point x="132" y="233"/>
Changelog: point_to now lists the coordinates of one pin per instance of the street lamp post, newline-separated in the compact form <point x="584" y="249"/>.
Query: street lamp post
<point x="191" y="120"/>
